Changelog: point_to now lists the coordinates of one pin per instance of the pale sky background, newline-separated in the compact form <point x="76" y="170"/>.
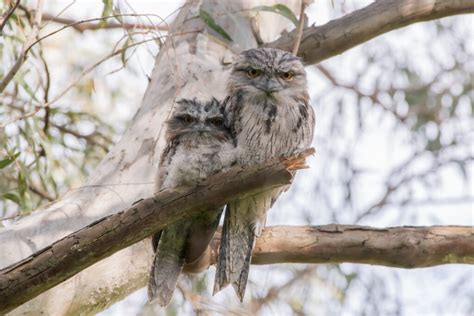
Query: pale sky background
<point x="422" y="289"/>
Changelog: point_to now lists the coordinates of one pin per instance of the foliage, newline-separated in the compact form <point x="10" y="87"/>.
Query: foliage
<point x="53" y="130"/>
<point x="207" y="18"/>
<point x="281" y="9"/>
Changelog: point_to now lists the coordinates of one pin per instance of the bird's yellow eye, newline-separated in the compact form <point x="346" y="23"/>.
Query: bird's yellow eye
<point x="252" y="73"/>
<point x="289" y="75"/>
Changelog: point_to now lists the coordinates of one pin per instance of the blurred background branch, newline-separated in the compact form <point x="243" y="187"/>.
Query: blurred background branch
<point x="82" y="26"/>
<point x="324" y="41"/>
<point x="6" y="15"/>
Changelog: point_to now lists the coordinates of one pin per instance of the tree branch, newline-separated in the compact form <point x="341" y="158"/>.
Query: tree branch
<point x="401" y="247"/>
<point x="299" y="29"/>
<point x="85" y="25"/>
<point x="64" y="258"/>
<point x="33" y="188"/>
<point x="406" y="247"/>
<point x="337" y="36"/>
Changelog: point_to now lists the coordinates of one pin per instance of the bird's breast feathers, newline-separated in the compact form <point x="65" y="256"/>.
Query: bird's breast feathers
<point x="270" y="129"/>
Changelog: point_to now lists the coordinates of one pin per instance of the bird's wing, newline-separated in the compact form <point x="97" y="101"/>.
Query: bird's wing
<point x="244" y="220"/>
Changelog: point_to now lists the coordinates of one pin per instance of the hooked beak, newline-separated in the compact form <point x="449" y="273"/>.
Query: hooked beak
<point x="200" y="128"/>
<point x="269" y="86"/>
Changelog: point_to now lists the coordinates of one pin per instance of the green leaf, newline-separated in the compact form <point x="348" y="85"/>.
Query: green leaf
<point x="7" y="161"/>
<point x="21" y="81"/>
<point x="22" y="193"/>
<point x="279" y="9"/>
<point x="434" y="145"/>
<point x="21" y="184"/>
<point x="107" y="11"/>
<point x="123" y="56"/>
<point x="12" y="197"/>
<point x="207" y="18"/>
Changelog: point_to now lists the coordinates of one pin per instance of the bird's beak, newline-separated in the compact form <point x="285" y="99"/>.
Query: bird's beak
<point x="202" y="128"/>
<point x="271" y="85"/>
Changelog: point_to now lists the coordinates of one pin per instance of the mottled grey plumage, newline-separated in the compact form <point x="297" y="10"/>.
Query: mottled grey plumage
<point x="270" y="116"/>
<point x="198" y="145"/>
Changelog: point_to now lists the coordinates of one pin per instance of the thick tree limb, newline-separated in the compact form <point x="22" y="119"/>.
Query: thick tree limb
<point x="402" y="247"/>
<point x="79" y="250"/>
<point x="337" y="36"/>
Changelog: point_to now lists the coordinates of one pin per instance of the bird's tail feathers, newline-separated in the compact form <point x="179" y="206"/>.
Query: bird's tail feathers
<point x="222" y="278"/>
<point x="241" y="265"/>
<point x="164" y="277"/>
<point x="168" y="263"/>
<point x="235" y="252"/>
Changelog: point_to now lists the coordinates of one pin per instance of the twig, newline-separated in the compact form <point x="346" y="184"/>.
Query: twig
<point x="38" y="191"/>
<point x="88" y="138"/>
<point x="46" y="92"/>
<point x="83" y="73"/>
<point x="41" y="193"/>
<point x="275" y="291"/>
<point x="9" y="13"/>
<point x="9" y="217"/>
<point x="82" y="26"/>
<point x="299" y="31"/>
<point x="31" y="40"/>
<point x="372" y="96"/>
<point x="26" y="46"/>
<point x="75" y="23"/>
<point x="392" y="188"/>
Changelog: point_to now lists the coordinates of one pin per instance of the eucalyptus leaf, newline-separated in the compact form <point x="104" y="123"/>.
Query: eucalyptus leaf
<point x="12" y="197"/>
<point x="434" y="145"/>
<point x="107" y="11"/>
<point x="207" y="18"/>
<point x="21" y="81"/>
<point x="22" y="184"/>
<point x="279" y="9"/>
<point x="7" y="161"/>
<point x="123" y="56"/>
